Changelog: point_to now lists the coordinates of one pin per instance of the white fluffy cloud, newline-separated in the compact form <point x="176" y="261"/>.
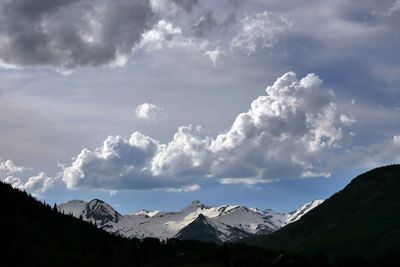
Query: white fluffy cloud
<point x="149" y="111"/>
<point x="119" y="164"/>
<point x="8" y="167"/>
<point x="35" y="185"/>
<point x="286" y="133"/>
<point x="165" y="35"/>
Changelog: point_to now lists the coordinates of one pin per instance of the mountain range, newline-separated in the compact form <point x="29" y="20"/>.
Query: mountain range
<point x="226" y="223"/>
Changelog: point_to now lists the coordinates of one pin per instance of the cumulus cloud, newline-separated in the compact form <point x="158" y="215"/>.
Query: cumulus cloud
<point x="286" y="133"/>
<point x="35" y="185"/>
<point x="165" y="35"/>
<point x="69" y="34"/>
<point x="8" y="167"/>
<point x="147" y="111"/>
<point x="118" y="164"/>
<point x="39" y="183"/>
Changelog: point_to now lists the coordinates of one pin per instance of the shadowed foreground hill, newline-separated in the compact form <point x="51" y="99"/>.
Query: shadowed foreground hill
<point x="362" y="220"/>
<point x="33" y="234"/>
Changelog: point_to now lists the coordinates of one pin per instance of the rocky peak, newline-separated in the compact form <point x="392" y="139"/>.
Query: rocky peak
<point x="99" y="211"/>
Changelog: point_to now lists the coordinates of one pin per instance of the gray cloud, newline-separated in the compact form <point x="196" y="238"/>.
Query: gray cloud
<point x="30" y="10"/>
<point x="186" y="4"/>
<point x="205" y="24"/>
<point x="68" y="34"/>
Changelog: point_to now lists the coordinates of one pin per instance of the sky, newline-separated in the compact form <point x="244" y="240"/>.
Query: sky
<point x="152" y="104"/>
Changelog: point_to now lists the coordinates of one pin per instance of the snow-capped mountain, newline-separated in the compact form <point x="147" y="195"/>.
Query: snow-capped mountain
<point x="196" y="221"/>
<point x="297" y="214"/>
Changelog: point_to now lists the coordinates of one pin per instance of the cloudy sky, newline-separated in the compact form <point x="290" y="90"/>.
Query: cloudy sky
<point x="151" y="104"/>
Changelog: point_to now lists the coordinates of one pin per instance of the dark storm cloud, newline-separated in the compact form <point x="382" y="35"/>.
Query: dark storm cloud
<point x="68" y="34"/>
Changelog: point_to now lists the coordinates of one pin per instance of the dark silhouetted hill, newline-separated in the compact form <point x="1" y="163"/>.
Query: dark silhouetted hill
<point x="360" y="221"/>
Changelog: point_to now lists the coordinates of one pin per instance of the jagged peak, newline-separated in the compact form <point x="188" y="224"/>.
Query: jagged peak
<point x="101" y="206"/>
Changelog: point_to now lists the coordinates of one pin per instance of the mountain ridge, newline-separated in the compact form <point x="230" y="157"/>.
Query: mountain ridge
<point x="230" y="222"/>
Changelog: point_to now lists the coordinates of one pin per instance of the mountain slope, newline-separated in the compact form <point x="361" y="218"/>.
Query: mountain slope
<point x="362" y="220"/>
<point x="300" y="212"/>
